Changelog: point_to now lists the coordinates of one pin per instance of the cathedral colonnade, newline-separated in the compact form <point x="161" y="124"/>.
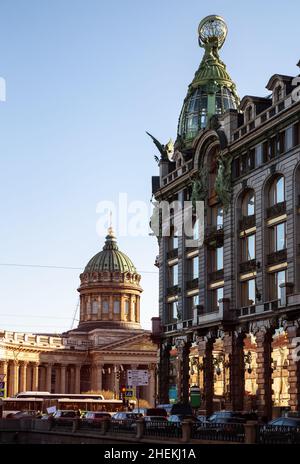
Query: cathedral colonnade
<point x="67" y="378"/>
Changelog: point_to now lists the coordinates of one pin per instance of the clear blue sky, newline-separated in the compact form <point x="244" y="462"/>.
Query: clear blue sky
<point x="85" y="79"/>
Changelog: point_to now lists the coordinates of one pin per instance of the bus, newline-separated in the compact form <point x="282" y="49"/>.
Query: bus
<point x="45" y="395"/>
<point x="45" y="401"/>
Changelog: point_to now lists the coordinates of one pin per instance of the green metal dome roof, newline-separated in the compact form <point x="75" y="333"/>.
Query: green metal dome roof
<point x="212" y="91"/>
<point x="110" y="258"/>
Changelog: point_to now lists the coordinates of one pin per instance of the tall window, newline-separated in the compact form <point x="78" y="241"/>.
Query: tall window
<point x="217" y="295"/>
<point x="195" y="265"/>
<point x="173" y="310"/>
<point x="289" y="142"/>
<point x="277" y="278"/>
<point x="277" y="193"/>
<point x="248" y="293"/>
<point x="219" y="258"/>
<point x="196" y="230"/>
<point x="217" y="217"/>
<point x="126" y="309"/>
<point x="105" y="306"/>
<point x="95" y="306"/>
<point x="248" y="249"/>
<point x="248" y="204"/>
<point x="279" y="238"/>
<point x="174" y="275"/>
<point x="116" y="306"/>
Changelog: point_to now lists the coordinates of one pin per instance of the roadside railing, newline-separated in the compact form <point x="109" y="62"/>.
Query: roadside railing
<point x="122" y="426"/>
<point x="219" y="432"/>
<point x="279" y="435"/>
<point x="162" y="429"/>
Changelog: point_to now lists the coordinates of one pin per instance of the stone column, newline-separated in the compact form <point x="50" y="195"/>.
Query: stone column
<point x="264" y="372"/>
<point x="35" y="377"/>
<point x="151" y="386"/>
<point x="23" y="376"/>
<point x="63" y="368"/>
<point x="117" y="380"/>
<point x="293" y="332"/>
<point x="183" y="349"/>
<point x="4" y="371"/>
<point x="205" y="349"/>
<point x="77" y="378"/>
<point x="14" y="378"/>
<point x="98" y="376"/>
<point x="164" y="373"/>
<point x="234" y="363"/>
<point x="48" y="377"/>
<point x="137" y="309"/>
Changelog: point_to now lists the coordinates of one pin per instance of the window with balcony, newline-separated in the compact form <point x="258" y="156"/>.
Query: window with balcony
<point x="248" y="292"/>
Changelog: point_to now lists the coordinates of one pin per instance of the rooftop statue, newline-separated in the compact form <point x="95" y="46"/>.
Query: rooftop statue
<point x="166" y="151"/>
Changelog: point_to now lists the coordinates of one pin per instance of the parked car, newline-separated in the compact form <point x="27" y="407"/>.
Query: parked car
<point x="281" y="430"/>
<point x="179" y="418"/>
<point x="95" y="418"/>
<point x="125" y="416"/>
<point x="285" y="422"/>
<point x="124" y="420"/>
<point x="150" y="412"/>
<point x="155" y="422"/>
<point x="24" y="415"/>
<point x="225" y="417"/>
<point x="166" y="407"/>
<point x="64" y="417"/>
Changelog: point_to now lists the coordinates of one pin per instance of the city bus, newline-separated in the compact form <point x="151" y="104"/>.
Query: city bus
<point x="42" y="401"/>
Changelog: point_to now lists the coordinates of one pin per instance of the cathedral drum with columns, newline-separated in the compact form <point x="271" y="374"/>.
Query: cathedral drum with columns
<point x="96" y="355"/>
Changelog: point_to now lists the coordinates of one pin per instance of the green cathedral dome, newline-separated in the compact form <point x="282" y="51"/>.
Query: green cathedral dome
<point x="110" y="258"/>
<point x="212" y="92"/>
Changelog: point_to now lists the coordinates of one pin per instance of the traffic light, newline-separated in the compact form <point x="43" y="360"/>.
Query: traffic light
<point x="123" y="392"/>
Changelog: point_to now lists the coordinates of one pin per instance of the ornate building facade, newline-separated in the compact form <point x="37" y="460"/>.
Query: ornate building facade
<point x="97" y="354"/>
<point x="229" y="307"/>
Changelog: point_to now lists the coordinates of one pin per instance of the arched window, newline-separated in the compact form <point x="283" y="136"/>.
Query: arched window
<point x="277" y="191"/>
<point x="248" y="204"/>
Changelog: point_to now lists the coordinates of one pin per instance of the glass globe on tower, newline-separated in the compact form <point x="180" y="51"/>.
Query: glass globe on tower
<point x="212" y="91"/>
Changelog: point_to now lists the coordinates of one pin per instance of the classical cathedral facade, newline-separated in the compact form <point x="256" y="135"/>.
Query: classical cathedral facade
<point x="97" y="354"/>
<point x="229" y="304"/>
